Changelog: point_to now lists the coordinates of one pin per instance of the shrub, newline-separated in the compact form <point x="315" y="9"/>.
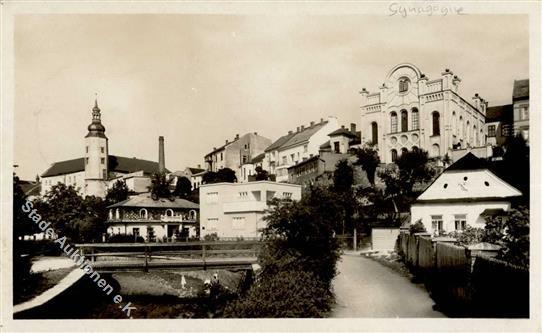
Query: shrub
<point x="211" y="237"/>
<point x="288" y="294"/>
<point x="417" y="227"/>
<point x="468" y="236"/>
<point x="125" y="238"/>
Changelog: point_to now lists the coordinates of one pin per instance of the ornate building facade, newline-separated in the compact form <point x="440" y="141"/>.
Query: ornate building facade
<point x="410" y="111"/>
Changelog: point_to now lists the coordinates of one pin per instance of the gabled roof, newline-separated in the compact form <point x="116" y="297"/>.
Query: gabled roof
<point x="279" y="142"/>
<point x="195" y="170"/>
<point x="504" y="113"/>
<point x="304" y="135"/>
<point x="467" y="180"/>
<point x="468" y="162"/>
<point x="258" y="158"/>
<point x="521" y="89"/>
<point x="30" y="187"/>
<point x="116" y="164"/>
<point x="326" y="145"/>
<point x="344" y="132"/>
<point x="145" y="200"/>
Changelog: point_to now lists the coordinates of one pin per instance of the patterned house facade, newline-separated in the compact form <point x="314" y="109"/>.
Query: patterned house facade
<point x="411" y="111"/>
<point x="154" y="220"/>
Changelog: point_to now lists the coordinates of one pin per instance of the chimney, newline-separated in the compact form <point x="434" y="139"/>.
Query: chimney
<point x="161" y="155"/>
<point x="255" y="133"/>
<point x="227" y="141"/>
<point x="236" y="136"/>
<point x="312" y="123"/>
<point x="353" y="128"/>
<point x="342" y="126"/>
<point x="297" y="130"/>
<point x="290" y="132"/>
<point x="321" y="120"/>
<point x="199" y="166"/>
<point x="302" y="127"/>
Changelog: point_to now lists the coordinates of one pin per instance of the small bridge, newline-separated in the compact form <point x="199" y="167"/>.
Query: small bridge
<point x="126" y="257"/>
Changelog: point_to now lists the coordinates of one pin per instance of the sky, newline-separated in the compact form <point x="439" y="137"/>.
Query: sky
<point x="198" y="80"/>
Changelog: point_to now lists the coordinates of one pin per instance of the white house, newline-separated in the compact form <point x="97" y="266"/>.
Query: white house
<point x="298" y="146"/>
<point x="237" y="209"/>
<point x="461" y="196"/>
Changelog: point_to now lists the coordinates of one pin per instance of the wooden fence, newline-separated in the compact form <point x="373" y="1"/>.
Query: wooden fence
<point x="464" y="283"/>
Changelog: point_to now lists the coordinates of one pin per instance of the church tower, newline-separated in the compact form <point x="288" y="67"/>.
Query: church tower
<point x="96" y="153"/>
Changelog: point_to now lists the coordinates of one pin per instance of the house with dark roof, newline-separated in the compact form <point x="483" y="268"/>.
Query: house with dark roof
<point x="193" y="174"/>
<point x="462" y="196"/>
<point x="499" y="124"/>
<point x="520" y="101"/>
<point x="164" y="219"/>
<point x="342" y="140"/>
<point x="233" y="154"/>
<point x="98" y="170"/>
<point x="297" y="146"/>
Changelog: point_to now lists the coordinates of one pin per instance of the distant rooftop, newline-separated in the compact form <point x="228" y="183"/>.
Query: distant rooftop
<point x="521" y="89"/>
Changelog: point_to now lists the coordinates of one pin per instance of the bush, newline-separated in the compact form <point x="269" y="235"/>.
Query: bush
<point x="288" y="294"/>
<point x="417" y="227"/>
<point x="125" y="238"/>
<point x="468" y="236"/>
<point x="211" y="237"/>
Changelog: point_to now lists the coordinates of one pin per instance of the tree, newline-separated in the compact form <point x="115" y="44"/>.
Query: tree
<point x="412" y="168"/>
<point x="22" y="224"/>
<point x="183" y="188"/>
<point x="369" y="161"/>
<point x="79" y="219"/>
<point x="117" y="193"/>
<point x="261" y="174"/>
<point x="159" y="187"/>
<point x="516" y="165"/>
<point x="343" y="179"/>
<point x="225" y="175"/>
<point x="511" y="231"/>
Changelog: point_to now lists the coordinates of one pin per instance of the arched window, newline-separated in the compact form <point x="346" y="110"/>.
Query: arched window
<point x="454" y="123"/>
<point x="415" y="119"/>
<point x="435" y="150"/>
<point x="403" y="84"/>
<point x="393" y="119"/>
<point x="393" y="155"/>
<point x="436" y="123"/>
<point x="110" y="214"/>
<point x="374" y="131"/>
<point x="415" y="148"/>
<point x="482" y="137"/>
<point x="404" y="151"/>
<point x="143" y="214"/>
<point x="117" y="214"/>
<point x="193" y="214"/>
<point x="169" y="212"/>
<point x="467" y="134"/>
<point x="474" y="135"/>
<point x="460" y="127"/>
<point x="404" y="121"/>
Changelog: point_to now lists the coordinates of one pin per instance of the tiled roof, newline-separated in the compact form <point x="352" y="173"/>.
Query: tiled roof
<point x="303" y="136"/>
<point x="468" y="162"/>
<point x="116" y="164"/>
<point x="30" y="187"/>
<point x="258" y="158"/>
<point x="195" y="170"/>
<point x="504" y="113"/>
<point x="145" y="200"/>
<point x="279" y="142"/>
<point x="325" y="145"/>
<point x="521" y="89"/>
<point x="343" y="131"/>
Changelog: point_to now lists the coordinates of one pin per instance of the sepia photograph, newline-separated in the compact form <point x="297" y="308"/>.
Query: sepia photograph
<point x="182" y="164"/>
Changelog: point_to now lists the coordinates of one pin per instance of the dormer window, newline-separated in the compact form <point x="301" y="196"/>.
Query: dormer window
<point x="403" y="84"/>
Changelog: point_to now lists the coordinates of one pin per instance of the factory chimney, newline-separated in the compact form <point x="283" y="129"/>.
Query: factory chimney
<point x="161" y="155"/>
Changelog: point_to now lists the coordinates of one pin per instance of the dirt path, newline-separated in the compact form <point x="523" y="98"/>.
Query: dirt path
<point x="366" y="289"/>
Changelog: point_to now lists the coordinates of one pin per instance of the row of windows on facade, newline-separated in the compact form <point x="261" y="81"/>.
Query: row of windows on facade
<point x="435" y="116"/>
<point x="238" y="222"/>
<point x="144" y="214"/>
<point x="213" y="196"/>
<point x="437" y="224"/>
<point x="215" y="157"/>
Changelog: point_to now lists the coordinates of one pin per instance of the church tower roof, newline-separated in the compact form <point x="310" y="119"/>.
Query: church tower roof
<point x="96" y="128"/>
